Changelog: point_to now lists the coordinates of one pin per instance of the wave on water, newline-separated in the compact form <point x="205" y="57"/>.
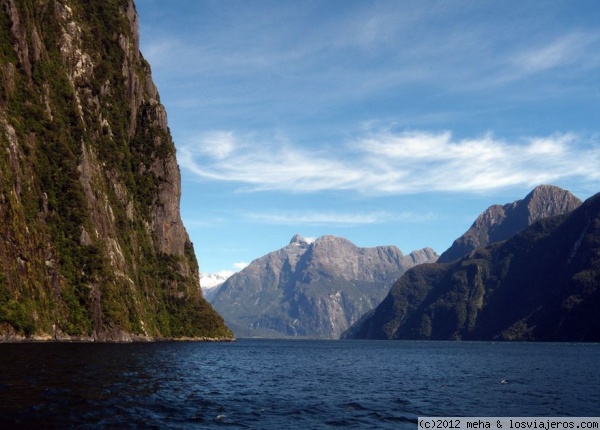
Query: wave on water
<point x="274" y="384"/>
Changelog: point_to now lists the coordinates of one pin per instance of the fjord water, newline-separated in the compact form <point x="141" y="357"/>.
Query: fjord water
<point x="288" y="384"/>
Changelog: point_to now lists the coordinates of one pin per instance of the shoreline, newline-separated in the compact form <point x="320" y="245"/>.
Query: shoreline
<point x="17" y="339"/>
<point x="91" y="341"/>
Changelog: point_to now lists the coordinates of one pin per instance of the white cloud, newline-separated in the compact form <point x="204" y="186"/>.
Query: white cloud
<point x="318" y="218"/>
<point x="217" y="144"/>
<point x="569" y="56"/>
<point x="360" y="51"/>
<point x="563" y="51"/>
<point x="331" y="218"/>
<point x="272" y="164"/>
<point x="390" y="162"/>
<point x="240" y="265"/>
<point x="225" y="273"/>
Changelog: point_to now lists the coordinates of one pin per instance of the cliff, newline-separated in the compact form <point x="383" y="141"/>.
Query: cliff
<point x="541" y="284"/>
<point x="500" y="222"/>
<point x="311" y="289"/>
<point x="92" y="242"/>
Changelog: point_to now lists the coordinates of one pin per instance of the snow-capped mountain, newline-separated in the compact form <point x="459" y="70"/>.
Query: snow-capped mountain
<point x="210" y="282"/>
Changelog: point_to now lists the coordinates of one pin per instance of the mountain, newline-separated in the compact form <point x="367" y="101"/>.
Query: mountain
<point x="541" y="284"/>
<point x="311" y="289"/>
<point x="499" y="223"/>
<point x="92" y="242"/>
<point x="210" y="283"/>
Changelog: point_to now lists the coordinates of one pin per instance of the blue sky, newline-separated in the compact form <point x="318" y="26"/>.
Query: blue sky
<point x="385" y="122"/>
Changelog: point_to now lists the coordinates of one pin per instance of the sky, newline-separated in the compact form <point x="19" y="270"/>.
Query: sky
<point x="384" y="122"/>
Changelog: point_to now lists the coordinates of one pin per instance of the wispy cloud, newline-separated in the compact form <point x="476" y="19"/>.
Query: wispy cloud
<point x="240" y="265"/>
<point x="269" y="164"/>
<point x="391" y="162"/>
<point x="361" y="52"/>
<point x="317" y="218"/>
<point x="332" y="218"/>
<point x="563" y="51"/>
<point x="571" y="50"/>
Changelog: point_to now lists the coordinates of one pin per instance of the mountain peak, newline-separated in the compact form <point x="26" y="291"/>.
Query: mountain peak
<point x="311" y="288"/>
<point x="547" y="200"/>
<point x="541" y="284"/>
<point x="500" y="222"/>
<point x="299" y="240"/>
<point x="546" y="189"/>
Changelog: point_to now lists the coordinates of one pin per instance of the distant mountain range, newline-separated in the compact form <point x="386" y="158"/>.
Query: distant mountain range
<point x="541" y="284"/>
<point x="210" y="282"/>
<point x="313" y="289"/>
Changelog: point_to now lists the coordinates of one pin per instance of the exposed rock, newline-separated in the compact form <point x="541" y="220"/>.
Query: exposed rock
<point x="498" y="223"/>
<point x="311" y="289"/>
<point x="93" y="246"/>
<point x="541" y="284"/>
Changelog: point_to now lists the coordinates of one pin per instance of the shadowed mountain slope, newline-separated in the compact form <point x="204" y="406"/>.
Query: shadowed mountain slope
<point x="541" y="284"/>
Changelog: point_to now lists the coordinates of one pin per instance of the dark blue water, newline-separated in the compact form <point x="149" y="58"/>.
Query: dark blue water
<point x="280" y="384"/>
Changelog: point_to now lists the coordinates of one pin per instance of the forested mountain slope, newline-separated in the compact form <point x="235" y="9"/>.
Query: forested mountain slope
<point x="542" y="284"/>
<point x="92" y="245"/>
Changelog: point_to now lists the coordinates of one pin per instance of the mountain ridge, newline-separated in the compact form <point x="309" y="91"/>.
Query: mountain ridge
<point x="311" y="289"/>
<point x="541" y="284"/>
<point x="500" y="222"/>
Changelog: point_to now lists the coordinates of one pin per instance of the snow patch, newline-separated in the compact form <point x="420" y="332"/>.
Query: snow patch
<point x="209" y="281"/>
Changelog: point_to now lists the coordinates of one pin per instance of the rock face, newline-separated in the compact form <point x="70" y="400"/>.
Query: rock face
<point x="499" y="223"/>
<point x="92" y="245"/>
<point x="314" y="290"/>
<point x="541" y="284"/>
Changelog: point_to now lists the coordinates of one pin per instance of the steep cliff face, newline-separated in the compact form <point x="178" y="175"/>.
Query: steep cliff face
<point x="500" y="222"/>
<point x="541" y="284"/>
<point x="314" y="290"/>
<point x="92" y="242"/>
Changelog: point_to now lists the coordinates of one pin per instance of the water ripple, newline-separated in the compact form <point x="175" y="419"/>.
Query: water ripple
<point x="270" y="384"/>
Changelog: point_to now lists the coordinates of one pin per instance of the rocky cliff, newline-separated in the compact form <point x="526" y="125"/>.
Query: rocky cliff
<point x="92" y="245"/>
<point x="541" y="284"/>
<point x="500" y="222"/>
<point x="311" y="289"/>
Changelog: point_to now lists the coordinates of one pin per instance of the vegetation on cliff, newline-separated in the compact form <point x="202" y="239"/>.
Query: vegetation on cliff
<point x="91" y="241"/>
<point x="541" y="284"/>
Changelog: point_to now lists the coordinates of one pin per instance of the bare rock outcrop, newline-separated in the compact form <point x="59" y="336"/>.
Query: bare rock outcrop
<point x="500" y="222"/>
<point x="313" y="289"/>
